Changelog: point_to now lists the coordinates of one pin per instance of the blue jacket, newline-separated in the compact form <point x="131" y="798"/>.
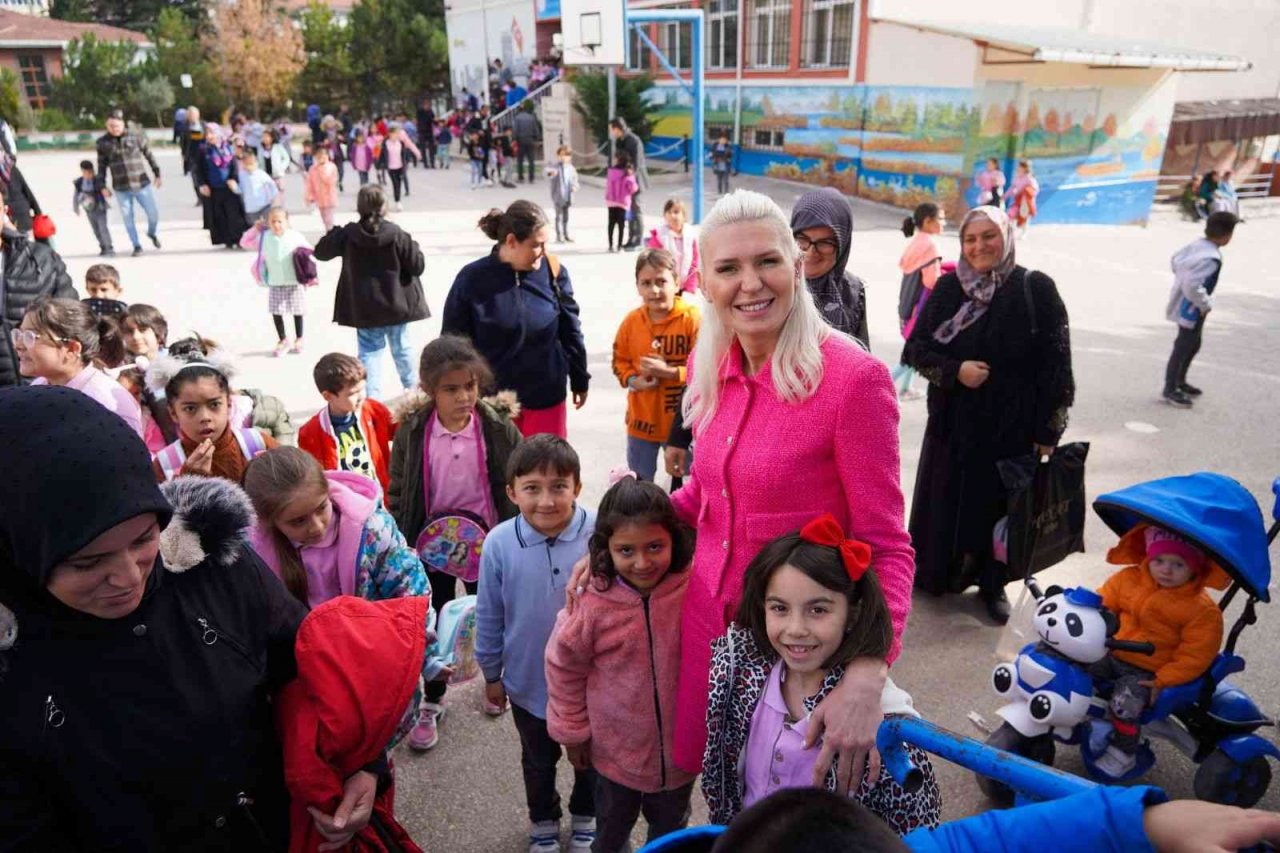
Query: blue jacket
<point x="531" y="338"/>
<point x="1104" y="820"/>
<point x="523" y="576"/>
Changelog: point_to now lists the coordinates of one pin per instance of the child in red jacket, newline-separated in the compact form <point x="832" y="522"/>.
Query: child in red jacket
<point x="352" y="432"/>
<point x="613" y="662"/>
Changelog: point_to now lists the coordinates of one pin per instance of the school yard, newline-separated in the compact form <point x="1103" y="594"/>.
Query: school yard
<point x="466" y="794"/>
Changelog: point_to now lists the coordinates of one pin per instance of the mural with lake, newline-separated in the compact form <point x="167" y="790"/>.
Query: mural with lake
<point x="903" y="145"/>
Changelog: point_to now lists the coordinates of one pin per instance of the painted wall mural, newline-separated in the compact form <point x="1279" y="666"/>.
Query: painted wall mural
<point x="1096" y="152"/>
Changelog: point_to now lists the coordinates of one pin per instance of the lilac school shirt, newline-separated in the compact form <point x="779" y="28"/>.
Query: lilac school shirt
<point x="320" y="561"/>
<point x="775" y="756"/>
<point x="457" y="472"/>
<point x="111" y="394"/>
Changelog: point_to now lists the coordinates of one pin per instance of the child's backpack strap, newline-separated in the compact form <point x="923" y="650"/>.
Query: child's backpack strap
<point x="251" y="443"/>
<point x="171" y="459"/>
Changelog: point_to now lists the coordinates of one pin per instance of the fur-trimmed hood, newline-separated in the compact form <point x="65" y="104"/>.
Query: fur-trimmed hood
<point x="503" y="402"/>
<point x="166" y="366"/>
<point x="211" y="520"/>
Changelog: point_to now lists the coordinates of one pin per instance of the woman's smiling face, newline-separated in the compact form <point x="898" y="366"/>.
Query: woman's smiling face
<point x="750" y="276"/>
<point x="982" y="244"/>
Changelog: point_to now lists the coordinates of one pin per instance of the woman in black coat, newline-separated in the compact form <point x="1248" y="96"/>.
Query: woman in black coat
<point x="140" y="642"/>
<point x="379" y="289"/>
<point x="30" y="270"/>
<point x="993" y="342"/>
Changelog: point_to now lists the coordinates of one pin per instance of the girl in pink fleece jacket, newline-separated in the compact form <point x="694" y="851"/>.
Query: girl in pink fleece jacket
<point x="613" y="663"/>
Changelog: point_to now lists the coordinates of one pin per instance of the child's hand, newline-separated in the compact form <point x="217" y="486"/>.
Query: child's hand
<point x="652" y="365"/>
<point x="577" y="582"/>
<point x="579" y="755"/>
<point x="204" y="190"/>
<point x="642" y="383"/>
<point x="1190" y="825"/>
<point x="444" y="674"/>
<point x="495" y="694"/>
<point x="1154" y="688"/>
<point x="200" y="462"/>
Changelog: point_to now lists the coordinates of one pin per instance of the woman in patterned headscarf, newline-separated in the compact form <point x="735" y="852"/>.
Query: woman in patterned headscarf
<point x="993" y="342"/>
<point x="823" y="226"/>
<point x="216" y="172"/>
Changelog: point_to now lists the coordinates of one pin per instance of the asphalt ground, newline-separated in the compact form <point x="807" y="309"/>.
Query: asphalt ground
<point x="466" y="794"/>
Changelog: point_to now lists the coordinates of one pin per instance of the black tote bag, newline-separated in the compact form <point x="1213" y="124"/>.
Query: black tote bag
<point x="1046" y="508"/>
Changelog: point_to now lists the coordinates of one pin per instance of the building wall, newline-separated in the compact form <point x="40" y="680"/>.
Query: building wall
<point x="903" y="56"/>
<point x="511" y="33"/>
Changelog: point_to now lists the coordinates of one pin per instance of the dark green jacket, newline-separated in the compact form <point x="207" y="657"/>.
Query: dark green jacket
<point x="270" y="416"/>
<point x="405" y="498"/>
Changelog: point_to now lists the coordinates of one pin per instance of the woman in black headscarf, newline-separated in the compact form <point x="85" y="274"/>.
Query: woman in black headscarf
<point x="823" y="226"/>
<point x="140" y="642"/>
<point x="993" y="342"/>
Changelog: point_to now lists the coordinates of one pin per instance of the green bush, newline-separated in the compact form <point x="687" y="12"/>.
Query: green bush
<point x="54" y="119"/>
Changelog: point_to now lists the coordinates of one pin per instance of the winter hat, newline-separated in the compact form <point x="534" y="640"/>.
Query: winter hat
<point x="69" y="470"/>
<point x="42" y="227"/>
<point x="1161" y="542"/>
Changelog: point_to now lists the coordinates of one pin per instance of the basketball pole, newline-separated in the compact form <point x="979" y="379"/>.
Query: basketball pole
<point x="694" y="18"/>
<point x="613" y="111"/>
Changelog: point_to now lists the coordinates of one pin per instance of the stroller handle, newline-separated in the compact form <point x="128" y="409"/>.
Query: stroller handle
<point x="1134" y="646"/>
<point x="1030" y="779"/>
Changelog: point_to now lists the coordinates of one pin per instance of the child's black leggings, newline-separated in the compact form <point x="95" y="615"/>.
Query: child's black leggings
<point x="297" y="325"/>
<point x="618" y="217"/>
<point x="398" y="182"/>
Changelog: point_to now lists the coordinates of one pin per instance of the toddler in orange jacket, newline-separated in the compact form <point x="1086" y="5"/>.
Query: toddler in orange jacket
<point x="1161" y="600"/>
<point x="321" y="187"/>
<point x="650" y="354"/>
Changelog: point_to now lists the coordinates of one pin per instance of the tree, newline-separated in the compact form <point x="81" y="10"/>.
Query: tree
<point x="1109" y="125"/>
<point x="593" y="103"/>
<point x="257" y="51"/>
<point x="140" y="15"/>
<point x="10" y="100"/>
<point x="71" y="10"/>
<point x="179" y="52"/>
<point x="153" y="97"/>
<point x="399" y="50"/>
<point x="329" y="76"/>
<point x="96" y="77"/>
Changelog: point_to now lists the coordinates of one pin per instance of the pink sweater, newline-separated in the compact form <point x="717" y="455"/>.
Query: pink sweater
<point x="321" y="185"/>
<point x="764" y="468"/>
<point x="600" y="681"/>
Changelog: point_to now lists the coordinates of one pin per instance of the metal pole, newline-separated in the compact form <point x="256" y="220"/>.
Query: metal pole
<point x="699" y="128"/>
<point x="613" y="111"/>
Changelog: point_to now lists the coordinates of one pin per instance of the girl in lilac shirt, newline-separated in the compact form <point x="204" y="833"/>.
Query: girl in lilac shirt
<point x="56" y="345"/>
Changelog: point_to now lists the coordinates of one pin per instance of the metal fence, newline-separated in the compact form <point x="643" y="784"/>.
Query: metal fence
<point x="1169" y="188"/>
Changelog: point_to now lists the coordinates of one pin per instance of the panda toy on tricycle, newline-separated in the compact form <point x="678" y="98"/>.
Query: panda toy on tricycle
<point x="1055" y="698"/>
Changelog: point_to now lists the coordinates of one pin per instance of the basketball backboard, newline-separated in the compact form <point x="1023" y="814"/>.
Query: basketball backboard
<point x="593" y="32"/>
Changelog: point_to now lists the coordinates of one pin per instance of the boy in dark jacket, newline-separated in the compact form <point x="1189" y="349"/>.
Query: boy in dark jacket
<point x="89" y="197"/>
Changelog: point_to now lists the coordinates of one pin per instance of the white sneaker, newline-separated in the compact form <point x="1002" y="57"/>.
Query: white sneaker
<point x="584" y="833"/>
<point x="399" y="208"/>
<point x="1115" y="763"/>
<point x="544" y="837"/>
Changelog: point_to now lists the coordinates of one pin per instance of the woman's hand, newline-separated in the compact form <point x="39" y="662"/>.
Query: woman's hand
<point x="973" y="373"/>
<point x="847" y="721"/>
<point x="353" y="813"/>
<point x="205" y="191"/>
<point x="200" y="461"/>
<point x="677" y="460"/>
<point x="579" y="399"/>
<point x="577" y="582"/>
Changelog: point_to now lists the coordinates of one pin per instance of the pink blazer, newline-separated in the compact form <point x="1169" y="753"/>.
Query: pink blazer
<point x="764" y="468"/>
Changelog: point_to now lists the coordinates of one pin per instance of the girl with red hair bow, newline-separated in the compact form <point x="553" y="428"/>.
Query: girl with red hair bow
<point x="809" y="607"/>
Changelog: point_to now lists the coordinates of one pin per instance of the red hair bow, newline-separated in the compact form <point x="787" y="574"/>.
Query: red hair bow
<point x="825" y="530"/>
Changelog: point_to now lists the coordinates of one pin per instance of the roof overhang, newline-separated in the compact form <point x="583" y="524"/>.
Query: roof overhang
<point x="1048" y="44"/>
<point x="1209" y="121"/>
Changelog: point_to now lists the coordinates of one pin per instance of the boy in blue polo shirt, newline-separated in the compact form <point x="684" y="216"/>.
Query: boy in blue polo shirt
<point x="524" y="569"/>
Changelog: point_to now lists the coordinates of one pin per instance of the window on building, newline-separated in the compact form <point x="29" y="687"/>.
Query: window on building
<point x="675" y="40"/>
<point x="722" y="33"/>
<point x="639" y="54"/>
<point x="34" y="78"/>
<point x="769" y="33"/>
<point x="828" y="33"/>
<point x="768" y="139"/>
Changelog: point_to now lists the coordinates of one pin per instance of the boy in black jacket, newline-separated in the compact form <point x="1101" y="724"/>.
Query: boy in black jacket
<point x="90" y="198"/>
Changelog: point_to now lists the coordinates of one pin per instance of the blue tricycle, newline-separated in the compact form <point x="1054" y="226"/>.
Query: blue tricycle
<point x="1213" y="722"/>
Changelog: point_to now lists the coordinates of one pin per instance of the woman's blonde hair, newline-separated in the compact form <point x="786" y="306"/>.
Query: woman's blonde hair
<point x="797" y="360"/>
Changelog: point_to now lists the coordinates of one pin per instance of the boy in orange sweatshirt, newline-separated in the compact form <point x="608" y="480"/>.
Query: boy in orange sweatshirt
<point x="1162" y="601"/>
<point x="352" y="432"/>
<point x="650" y="353"/>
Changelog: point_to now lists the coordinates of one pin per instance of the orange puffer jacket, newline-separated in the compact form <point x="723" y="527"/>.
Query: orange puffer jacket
<point x="1183" y="623"/>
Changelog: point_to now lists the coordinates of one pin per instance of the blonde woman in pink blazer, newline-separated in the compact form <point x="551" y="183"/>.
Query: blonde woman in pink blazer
<point x="791" y="419"/>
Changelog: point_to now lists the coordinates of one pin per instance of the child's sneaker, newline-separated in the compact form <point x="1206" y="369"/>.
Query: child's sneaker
<point x="492" y="710"/>
<point x="1115" y="763"/>
<point x="544" y="837"/>
<point x="584" y="833"/>
<point x="297" y="346"/>
<point x="425" y="733"/>
<point x="280" y="348"/>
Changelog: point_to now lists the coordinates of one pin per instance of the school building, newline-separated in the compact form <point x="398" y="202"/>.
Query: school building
<point x="902" y="101"/>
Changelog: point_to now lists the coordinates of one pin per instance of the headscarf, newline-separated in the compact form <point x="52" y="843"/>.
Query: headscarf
<point x="979" y="288"/>
<point x="215" y="140"/>
<point x="70" y="470"/>
<point x="833" y="291"/>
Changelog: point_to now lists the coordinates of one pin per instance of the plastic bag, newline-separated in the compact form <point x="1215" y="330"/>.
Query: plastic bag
<point x="1019" y="630"/>
<point x="1046" y="508"/>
